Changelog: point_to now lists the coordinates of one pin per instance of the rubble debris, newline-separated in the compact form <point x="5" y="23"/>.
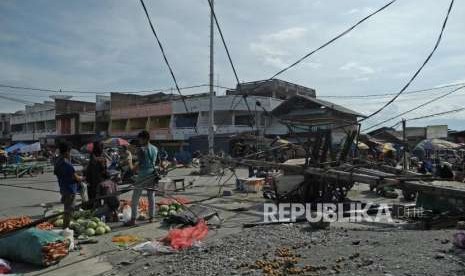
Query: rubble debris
<point x="439" y="256"/>
<point x="124" y="240"/>
<point x="153" y="248"/>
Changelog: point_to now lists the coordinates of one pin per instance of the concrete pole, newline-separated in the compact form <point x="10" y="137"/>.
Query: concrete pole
<point x="404" y="140"/>
<point x="211" y="119"/>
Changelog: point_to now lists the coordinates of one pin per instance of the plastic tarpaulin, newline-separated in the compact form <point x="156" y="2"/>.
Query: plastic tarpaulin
<point x="31" y="148"/>
<point x="436" y="144"/>
<point x="26" y="246"/>
<point x="15" y="147"/>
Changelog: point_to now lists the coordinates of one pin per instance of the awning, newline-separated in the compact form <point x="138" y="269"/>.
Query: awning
<point x="31" y="148"/>
<point x="15" y="147"/>
<point x="436" y="144"/>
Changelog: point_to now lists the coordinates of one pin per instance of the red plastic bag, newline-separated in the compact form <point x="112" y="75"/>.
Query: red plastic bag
<point x="185" y="237"/>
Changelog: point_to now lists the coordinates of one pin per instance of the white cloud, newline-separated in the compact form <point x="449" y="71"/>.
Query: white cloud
<point x="461" y="81"/>
<point x="272" y="48"/>
<point x="365" y="10"/>
<point x="352" y="11"/>
<point x="362" y="79"/>
<point x="113" y="47"/>
<point x="354" y="66"/>
<point x="286" y="35"/>
<point x="314" y="65"/>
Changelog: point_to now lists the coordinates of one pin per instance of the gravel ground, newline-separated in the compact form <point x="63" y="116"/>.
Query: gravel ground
<point x="296" y="249"/>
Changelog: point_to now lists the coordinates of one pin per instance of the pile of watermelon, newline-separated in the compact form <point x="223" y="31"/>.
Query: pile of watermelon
<point x="83" y="223"/>
<point x="169" y="209"/>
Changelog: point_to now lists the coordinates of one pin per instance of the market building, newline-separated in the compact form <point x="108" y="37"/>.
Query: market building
<point x="171" y="125"/>
<point x="34" y="123"/>
<point x="308" y="116"/>
<point x="174" y="122"/>
<point x="102" y="115"/>
<point x="5" y="129"/>
<point x="75" y="121"/>
<point x="132" y="113"/>
<point x="274" y="88"/>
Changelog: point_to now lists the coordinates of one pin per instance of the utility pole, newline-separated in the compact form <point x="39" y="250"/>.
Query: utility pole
<point x="404" y="140"/>
<point x="211" y="120"/>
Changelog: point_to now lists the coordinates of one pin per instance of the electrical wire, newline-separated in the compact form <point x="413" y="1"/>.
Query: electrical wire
<point x="438" y="41"/>
<point x="323" y="46"/>
<point x="212" y="10"/>
<point x="61" y="91"/>
<point x="411" y="79"/>
<point x="165" y="57"/>
<point x="437" y="114"/>
<point x="425" y="117"/>
<point x="425" y="90"/>
<point x="332" y="40"/>
<point x="415" y="108"/>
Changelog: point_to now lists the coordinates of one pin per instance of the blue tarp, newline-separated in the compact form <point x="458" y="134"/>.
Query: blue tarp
<point x="15" y="147"/>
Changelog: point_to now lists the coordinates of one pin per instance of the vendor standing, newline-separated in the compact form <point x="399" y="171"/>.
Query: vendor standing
<point x="68" y="181"/>
<point x="96" y="173"/>
<point x="146" y="176"/>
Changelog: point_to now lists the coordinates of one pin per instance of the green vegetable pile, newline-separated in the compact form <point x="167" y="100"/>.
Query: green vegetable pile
<point x="170" y="210"/>
<point x="84" y="223"/>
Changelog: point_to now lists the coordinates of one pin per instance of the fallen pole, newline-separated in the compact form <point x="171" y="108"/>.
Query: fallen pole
<point x="411" y="181"/>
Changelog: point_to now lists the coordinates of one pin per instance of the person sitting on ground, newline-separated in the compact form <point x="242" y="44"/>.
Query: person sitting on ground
<point x="445" y="171"/>
<point x="68" y="181"/>
<point x="96" y="173"/>
<point x="146" y="176"/>
<point x="108" y="190"/>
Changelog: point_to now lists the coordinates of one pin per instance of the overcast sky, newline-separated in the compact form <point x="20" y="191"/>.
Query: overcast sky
<point x="107" y="45"/>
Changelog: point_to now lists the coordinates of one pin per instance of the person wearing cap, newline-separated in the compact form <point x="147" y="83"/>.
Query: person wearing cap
<point x="146" y="176"/>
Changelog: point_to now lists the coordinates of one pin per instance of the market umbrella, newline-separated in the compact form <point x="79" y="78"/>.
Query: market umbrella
<point x="435" y="144"/>
<point x="363" y="146"/>
<point x="115" y="142"/>
<point x="388" y="147"/>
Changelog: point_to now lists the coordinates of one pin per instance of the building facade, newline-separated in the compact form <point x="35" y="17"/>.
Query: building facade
<point x="171" y="124"/>
<point x="34" y="123"/>
<point x="231" y="115"/>
<point x="75" y="121"/>
<point x="5" y="129"/>
<point x="102" y="115"/>
<point x="273" y="88"/>
<point x="132" y="113"/>
<point x="308" y="116"/>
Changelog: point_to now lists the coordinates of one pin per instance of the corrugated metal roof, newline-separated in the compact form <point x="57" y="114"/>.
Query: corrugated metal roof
<point x="326" y="104"/>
